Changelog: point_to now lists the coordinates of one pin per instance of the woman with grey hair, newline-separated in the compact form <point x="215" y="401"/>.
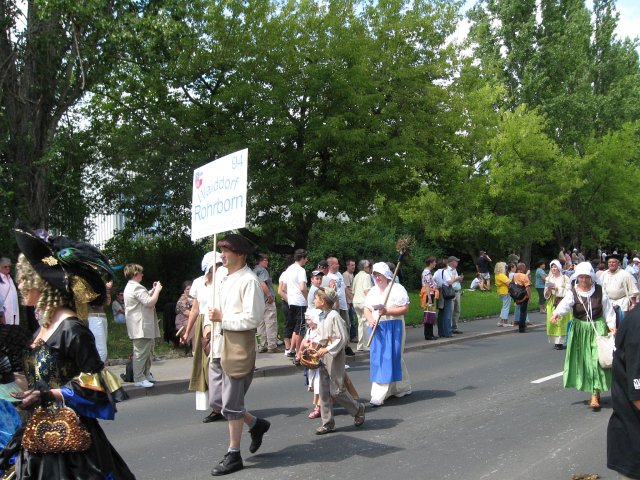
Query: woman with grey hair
<point x="9" y="310"/>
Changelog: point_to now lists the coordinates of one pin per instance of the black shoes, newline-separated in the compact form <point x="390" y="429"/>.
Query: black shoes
<point x="348" y="352"/>
<point x="558" y="346"/>
<point x="232" y="462"/>
<point x="431" y="337"/>
<point x="257" y="432"/>
<point x="212" y="417"/>
<point x="457" y="331"/>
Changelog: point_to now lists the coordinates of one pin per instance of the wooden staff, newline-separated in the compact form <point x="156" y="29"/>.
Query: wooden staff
<point x="402" y="245"/>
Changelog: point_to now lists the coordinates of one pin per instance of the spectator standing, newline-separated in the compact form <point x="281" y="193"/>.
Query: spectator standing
<point x="452" y="277"/>
<point x="541" y="277"/>
<point x="183" y="311"/>
<point x="483" y="264"/>
<point x="513" y="258"/>
<point x="430" y="285"/>
<point x="268" y="328"/>
<point x="361" y="285"/>
<point x="316" y="284"/>
<point x="444" y="306"/>
<point x="334" y="279"/>
<point x="521" y="278"/>
<point x="282" y="291"/>
<point x="117" y="307"/>
<point x="633" y="269"/>
<point x="296" y="280"/>
<point x="97" y="323"/>
<point x="348" y="285"/>
<point x="623" y="432"/>
<point x="9" y="308"/>
<point x="502" y="285"/>
<point x="142" y="322"/>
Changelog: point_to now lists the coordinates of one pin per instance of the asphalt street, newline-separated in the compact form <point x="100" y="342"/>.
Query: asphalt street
<point x="474" y="414"/>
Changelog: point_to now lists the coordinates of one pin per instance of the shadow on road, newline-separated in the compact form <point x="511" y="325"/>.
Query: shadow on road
<point x="331" y="448"/>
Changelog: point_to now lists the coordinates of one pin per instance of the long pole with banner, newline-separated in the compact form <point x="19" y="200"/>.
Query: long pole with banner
<point x="219" y="201"/>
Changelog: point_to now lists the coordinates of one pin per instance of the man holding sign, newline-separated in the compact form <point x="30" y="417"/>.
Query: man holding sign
<point x="239" y="307"/>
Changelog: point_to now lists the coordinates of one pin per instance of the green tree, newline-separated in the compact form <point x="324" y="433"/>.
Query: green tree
<point x="341" y="105"/>
<point x="51" y="53"/>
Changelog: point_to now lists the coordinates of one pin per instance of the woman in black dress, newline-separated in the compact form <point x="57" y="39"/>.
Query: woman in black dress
<point x="61" y="278"/>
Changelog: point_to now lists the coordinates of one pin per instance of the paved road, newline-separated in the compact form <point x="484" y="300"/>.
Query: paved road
<point x="473" y="414"/>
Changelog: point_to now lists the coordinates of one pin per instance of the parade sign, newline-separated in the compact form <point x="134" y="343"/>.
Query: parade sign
<point x="219" y="201"/>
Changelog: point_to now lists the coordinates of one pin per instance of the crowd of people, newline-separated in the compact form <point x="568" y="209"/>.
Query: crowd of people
<point x="228" y="316"/>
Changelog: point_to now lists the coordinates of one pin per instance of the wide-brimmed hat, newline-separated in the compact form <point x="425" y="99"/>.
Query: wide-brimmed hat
<point x="615" y="256"/>
<point x="237" y="244"/>
<point x="60" y="262"/>
<point x="383" y="269"/>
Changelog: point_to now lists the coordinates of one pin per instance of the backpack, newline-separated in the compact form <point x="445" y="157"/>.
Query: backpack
<point x="517" y="292"/>
<point x="127" y="376"/>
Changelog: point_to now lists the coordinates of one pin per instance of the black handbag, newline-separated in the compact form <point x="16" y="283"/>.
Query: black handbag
<point x="448" y="292"/>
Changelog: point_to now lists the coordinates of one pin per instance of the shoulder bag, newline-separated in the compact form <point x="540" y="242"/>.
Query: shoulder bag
<point x="238" y="356"/>
<point x="604" y="343"/>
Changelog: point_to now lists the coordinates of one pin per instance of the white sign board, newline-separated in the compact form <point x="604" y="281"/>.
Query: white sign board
<point x="219" y="201"/>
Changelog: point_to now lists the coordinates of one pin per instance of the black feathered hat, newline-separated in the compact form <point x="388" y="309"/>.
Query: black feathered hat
<point x="63" y="263"/>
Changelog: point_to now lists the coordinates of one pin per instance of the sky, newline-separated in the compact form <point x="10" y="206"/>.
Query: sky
<point x="628" y="22"/>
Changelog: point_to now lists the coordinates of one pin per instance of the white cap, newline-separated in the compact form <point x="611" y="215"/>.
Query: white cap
<point x="584" y="268"/>
<point x="383" y="269"/>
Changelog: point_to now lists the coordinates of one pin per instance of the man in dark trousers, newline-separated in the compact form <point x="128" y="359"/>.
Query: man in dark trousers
<point x="623" y="434"/>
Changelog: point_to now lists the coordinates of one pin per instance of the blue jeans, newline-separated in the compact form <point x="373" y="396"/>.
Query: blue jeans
<point x="446" y="317"/>
<point x="522" y="315"/>
<point x="506" y="305"/>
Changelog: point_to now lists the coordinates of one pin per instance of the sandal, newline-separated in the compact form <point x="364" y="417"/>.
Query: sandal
<point x="595" y="401"/>
<point x="315" y="413"/>
<point x="324" y="429"/>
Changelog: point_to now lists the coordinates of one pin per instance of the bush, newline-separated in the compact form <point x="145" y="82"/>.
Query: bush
<point x="170" y="260"/>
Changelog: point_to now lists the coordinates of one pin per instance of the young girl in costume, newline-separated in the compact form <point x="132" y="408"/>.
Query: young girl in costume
<point x="313" y="375"/>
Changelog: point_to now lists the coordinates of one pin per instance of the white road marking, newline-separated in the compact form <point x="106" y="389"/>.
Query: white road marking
<point x="550" y="377"/>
